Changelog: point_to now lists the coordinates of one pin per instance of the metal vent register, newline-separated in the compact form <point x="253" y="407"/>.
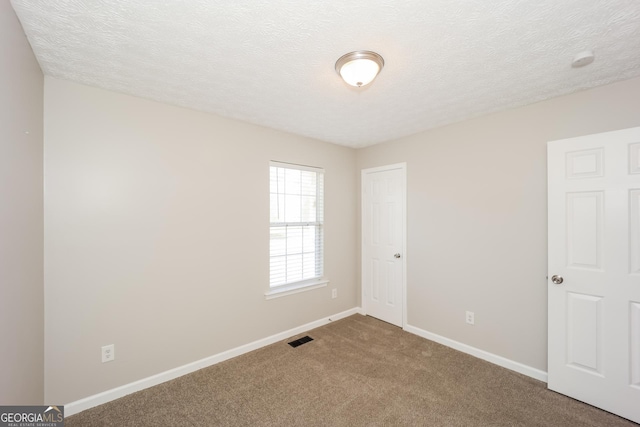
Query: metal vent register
<point x="300" y="341"/>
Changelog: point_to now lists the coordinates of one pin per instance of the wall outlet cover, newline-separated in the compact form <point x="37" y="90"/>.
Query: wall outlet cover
<point x="108" y="353"/>
<point x="470" y="317"/>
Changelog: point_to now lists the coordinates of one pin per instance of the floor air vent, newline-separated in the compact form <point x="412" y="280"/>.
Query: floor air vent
<point x="300" y="341"/>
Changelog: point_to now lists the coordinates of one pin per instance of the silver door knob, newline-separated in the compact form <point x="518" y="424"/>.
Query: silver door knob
<point x="397" y="255"/>
<point x="557" y="280"/>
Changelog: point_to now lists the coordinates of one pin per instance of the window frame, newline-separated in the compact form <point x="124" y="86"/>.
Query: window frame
<point x="318" y="281"/>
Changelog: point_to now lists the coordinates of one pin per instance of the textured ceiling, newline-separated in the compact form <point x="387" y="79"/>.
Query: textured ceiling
<point x="271" y="62"/>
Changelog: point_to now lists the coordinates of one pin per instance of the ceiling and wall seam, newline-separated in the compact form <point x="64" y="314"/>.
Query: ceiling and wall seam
<point x="274" y="66"/>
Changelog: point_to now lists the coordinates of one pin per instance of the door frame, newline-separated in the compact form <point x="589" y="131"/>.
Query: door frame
<point x="403" y="168"/>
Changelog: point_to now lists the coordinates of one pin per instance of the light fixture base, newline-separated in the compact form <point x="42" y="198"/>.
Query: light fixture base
<point x="359" y="68"/>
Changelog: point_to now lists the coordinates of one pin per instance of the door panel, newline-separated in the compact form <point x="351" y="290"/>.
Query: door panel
<point x="635" y="343"/>
<point x="375" y="280"/>
<point x="383" y="240"/>
<point x="584" y="164"/>
<point x="594" y="246"/>
<point x="634" y="158"/>
<point x="584" y="332"/>
<point x="634" y="227"/>
<point x="584" y="230"/>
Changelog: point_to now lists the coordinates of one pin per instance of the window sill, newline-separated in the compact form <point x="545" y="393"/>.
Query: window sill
<point x="295" y="288"/>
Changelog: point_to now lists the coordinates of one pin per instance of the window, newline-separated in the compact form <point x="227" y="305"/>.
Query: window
<point x="296" y="234"/>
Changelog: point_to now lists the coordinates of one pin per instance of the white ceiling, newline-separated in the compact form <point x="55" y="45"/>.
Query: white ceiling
<point x="271" y="62"/>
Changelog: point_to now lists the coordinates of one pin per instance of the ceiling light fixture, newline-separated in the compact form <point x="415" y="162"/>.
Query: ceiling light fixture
<point x="359" y="68"/>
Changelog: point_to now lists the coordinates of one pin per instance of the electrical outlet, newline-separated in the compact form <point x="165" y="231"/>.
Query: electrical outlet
<point x="470" y="318"/>
<point x="334" y="293"/>
<point x="108" y="353"/>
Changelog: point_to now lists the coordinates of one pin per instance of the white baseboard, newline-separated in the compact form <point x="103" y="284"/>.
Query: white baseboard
<point x="481" y="354"/>
<point x="118" y="392"/>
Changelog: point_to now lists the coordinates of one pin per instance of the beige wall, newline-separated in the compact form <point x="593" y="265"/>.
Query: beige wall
<point x="156" y="236"/>
<point x="156" y="229"/>
<point x="21" y="278"/>
<point x="477" y="217"/>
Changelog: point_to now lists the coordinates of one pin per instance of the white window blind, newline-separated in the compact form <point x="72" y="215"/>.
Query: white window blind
<point x="296" y="234"/>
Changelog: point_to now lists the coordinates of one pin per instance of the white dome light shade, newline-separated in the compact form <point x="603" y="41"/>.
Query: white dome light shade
<point x="359" y="68"/>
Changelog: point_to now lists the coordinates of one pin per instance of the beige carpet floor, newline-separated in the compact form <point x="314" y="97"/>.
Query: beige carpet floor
<point x="357" y="371"/>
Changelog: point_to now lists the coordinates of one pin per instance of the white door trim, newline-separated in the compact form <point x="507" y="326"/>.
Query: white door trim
<point x="364" y="172"/>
